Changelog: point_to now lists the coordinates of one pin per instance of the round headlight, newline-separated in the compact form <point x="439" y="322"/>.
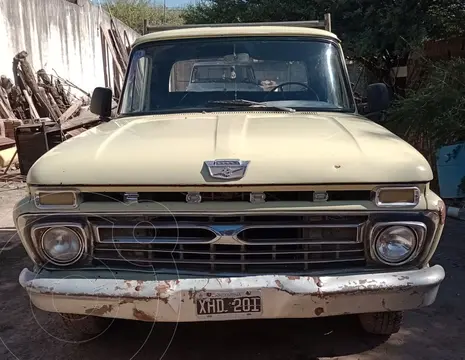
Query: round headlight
<point x="62" y="245"/>
<point x="395" y="244"/>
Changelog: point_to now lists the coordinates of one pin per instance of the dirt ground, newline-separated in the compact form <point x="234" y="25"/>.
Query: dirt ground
<point x="436" y="332"/>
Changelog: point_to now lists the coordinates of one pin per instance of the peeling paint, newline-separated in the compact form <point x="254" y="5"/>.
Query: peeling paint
<point x="291" y="295"/>
<point x="317" y="281"/>
<point x="162" y="289"/>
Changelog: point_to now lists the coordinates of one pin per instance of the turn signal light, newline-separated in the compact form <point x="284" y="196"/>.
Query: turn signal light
<point x="397" y="196"/>
<point x="60" y="199"/>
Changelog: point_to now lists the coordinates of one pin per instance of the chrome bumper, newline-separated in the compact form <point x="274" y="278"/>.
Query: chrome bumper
<point x="282" y="296"/>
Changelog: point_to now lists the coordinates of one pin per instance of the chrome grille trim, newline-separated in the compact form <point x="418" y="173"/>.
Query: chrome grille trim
<point x="164" y="240"/>
<point x="239" y="255"/>
<point x="212" y="252"/>
<point x="222" y="232"/>
<point x="226" y="248"/>
<point x="357" y="238"/>
<point x="223" y="262"/>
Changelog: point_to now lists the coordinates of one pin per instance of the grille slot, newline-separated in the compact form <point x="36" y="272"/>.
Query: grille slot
<point x="233" y="258"/>
<point x="279" y="234"/>
<point x="154" y="233"/>
<point x="261" y="244"/>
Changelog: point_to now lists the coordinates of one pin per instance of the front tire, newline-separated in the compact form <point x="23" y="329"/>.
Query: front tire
<point x="382" y="323"/>
<point x="85" y="327"/>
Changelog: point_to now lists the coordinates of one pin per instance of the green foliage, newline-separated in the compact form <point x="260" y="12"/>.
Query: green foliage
<point x="436" y="110"/>
<point x="380" y="33"/>
<point x="134" y="12"/>
<point x="393" y="28"/>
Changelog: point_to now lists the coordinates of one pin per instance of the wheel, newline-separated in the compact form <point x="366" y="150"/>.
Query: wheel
<point x="382" y="323"/>
<point x="85" y="326"/>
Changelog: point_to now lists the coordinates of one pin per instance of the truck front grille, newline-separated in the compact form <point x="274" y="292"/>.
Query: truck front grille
<point x="208" y="196"/>
<point x="242" y="244"/>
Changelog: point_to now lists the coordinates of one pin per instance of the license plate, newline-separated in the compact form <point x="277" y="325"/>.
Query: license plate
<point x="231" y="304"/>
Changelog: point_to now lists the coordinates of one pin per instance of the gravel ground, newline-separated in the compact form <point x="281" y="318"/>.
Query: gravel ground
<point x="435" y="332"/>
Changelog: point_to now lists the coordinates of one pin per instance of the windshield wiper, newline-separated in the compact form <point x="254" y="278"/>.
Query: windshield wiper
<point x="248" y="103"/>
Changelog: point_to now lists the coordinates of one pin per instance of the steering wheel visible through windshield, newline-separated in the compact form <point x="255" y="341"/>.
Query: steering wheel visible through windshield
<point x="210" y="74"/>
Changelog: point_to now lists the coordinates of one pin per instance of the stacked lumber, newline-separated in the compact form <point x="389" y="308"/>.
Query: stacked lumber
<point x="39" y="97"/>
<point x="33" y="96"/>
<point x="119" y="47"/>
<point x="36" y="97"/>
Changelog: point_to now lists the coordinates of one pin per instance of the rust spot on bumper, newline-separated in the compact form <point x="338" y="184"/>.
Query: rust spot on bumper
<point x="293" y="277"/>
<point x="99" y="311"/>
<point x="140" y="315"/>
<point x="319" y="311"/>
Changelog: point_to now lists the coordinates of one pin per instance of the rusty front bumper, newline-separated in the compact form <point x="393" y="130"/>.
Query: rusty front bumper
<point x="282" y="296"/>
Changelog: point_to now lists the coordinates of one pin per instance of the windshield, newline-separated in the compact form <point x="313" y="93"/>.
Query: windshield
<point x="203" y="74"/>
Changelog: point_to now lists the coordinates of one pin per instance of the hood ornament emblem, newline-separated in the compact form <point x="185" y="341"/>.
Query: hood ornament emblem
<point x="227" y="169"/>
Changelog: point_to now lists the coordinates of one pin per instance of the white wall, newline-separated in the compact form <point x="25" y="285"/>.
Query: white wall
<point x="57" y="35"/>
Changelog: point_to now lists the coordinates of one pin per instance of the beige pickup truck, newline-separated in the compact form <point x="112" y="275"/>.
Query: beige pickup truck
<point x="233" y="204"/>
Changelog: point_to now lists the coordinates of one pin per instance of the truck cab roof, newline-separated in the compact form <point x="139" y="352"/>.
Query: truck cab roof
<point x="233" y="31"/>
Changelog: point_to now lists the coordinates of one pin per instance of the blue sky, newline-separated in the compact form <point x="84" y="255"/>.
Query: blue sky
<point x="175" y="3"/>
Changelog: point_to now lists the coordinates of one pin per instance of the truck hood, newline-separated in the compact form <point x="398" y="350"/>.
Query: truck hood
<point x="283" y="148"/>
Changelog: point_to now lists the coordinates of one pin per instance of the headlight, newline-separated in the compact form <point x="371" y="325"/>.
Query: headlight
<point x="395" y="244"/>
<point x="62" y="245"/>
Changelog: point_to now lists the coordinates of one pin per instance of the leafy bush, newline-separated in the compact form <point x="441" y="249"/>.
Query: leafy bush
<point x="134" y="12"/>
<point x="435" y="110"/>
<point x="433" y="113"/>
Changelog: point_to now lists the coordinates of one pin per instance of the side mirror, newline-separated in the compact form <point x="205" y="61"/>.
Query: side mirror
<point x="100" y="103"/>
<point x="378" y="98"/>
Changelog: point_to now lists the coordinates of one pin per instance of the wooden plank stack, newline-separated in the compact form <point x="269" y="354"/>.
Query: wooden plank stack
<point x="34" y="96"/>
<point x="38" y="97"/>
<point x="119" y="47"/>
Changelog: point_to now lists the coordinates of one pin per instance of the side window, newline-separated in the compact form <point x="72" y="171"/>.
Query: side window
<point x="137" y="92"/>
<point x="180" y="75"/>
